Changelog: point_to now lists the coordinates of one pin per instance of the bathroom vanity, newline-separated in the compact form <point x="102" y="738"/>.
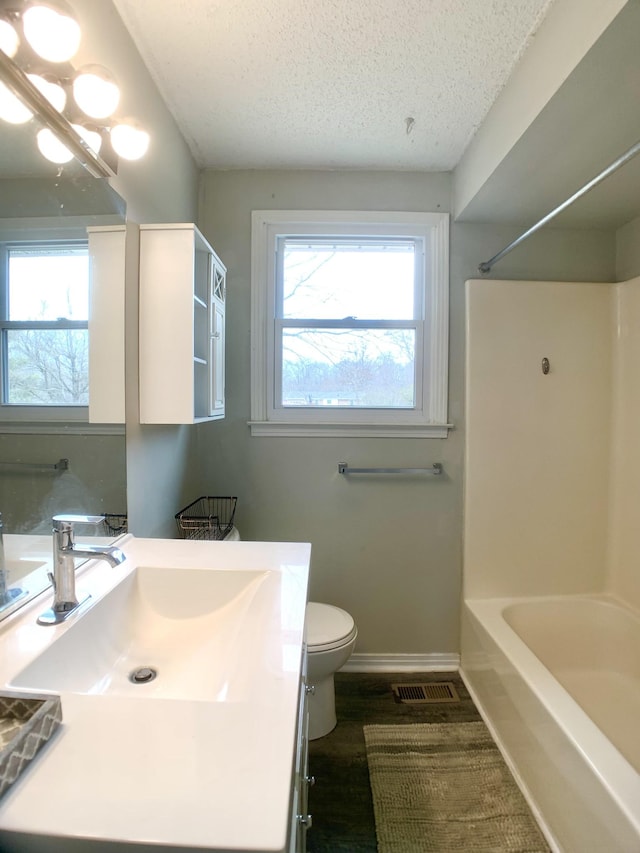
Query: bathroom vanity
<point x="209" y="751"/>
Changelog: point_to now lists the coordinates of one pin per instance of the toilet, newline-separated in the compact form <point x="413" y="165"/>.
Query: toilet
<point x="232" y="535"/>
<point x="331" y="638"/>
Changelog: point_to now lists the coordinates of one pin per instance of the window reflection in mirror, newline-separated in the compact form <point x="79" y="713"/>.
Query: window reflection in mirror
<point x="44" y="329"/>
<point x="44" y="215"/>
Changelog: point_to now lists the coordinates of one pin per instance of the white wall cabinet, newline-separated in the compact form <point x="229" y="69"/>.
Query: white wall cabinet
<point x="107" y="248"/>
<point x="182" y="307"/>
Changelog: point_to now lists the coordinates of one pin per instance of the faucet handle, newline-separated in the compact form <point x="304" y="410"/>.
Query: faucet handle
<point x="66" y="521"/>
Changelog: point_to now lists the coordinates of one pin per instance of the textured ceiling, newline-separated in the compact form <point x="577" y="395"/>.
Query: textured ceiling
<point x="330" y="84"/>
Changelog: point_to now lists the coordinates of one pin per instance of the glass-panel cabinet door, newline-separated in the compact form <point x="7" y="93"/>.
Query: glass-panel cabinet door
<point x="217" y="358"/>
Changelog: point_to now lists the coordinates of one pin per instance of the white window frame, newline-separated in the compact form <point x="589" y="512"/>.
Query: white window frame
<point x="18" y="415"/>
<point x="429" y="417"/>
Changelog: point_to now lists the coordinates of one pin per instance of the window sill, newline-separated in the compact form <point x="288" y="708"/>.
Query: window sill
<point x="346" y="430"/>
<point x="60" y="428"/>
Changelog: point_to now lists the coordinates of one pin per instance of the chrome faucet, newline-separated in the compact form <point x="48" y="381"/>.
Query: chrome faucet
<point x="63" y="577"/>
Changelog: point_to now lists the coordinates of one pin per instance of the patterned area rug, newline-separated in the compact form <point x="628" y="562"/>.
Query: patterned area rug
<point x="443" y="787"/>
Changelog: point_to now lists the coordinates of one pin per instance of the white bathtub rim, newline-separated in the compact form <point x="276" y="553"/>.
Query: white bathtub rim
<point x="611" y="767"/>
<point x="605" y="599"/>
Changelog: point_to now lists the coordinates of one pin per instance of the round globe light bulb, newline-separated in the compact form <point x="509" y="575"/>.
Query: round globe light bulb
<point x="53" y="33"/>
<point x="51" y="147"/>
<point x="11" y="108"/>
<point x="129" y="140"/>
<point x="95" y="91"/>
<point x="91" y="137"/>
<point x="53" y="92"/>
<point x="9" y="39"/>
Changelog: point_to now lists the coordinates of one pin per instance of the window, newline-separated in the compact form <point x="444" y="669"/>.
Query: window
<point x="349" y="323"/>
<point x="44" y="336"/>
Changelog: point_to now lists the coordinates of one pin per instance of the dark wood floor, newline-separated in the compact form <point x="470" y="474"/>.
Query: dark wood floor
<point x="340" y="800"/>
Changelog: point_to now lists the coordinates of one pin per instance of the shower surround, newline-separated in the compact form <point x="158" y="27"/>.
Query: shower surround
<point x="552" y="493"/>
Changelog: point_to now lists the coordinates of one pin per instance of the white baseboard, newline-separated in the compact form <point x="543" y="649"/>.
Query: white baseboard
<point x="434" y="662"/>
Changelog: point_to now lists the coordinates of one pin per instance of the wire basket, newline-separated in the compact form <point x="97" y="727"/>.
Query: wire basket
<point x="207" y="518"/>
<point x="114" y="524"/>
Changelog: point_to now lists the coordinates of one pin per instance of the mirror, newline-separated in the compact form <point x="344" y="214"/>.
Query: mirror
<point x="47" y="468"/>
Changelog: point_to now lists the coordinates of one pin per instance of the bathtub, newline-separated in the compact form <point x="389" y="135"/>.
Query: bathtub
<point x="557" y="680"/>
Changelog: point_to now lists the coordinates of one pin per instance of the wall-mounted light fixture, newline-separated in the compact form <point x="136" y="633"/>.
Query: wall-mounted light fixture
<point x="75" y="108"/>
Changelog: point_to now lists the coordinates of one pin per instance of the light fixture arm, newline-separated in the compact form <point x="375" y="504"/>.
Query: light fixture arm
<point x="17" y="81"/>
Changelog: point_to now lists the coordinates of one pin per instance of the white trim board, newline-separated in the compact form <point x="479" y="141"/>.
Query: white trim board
<point x="431" y="662"/>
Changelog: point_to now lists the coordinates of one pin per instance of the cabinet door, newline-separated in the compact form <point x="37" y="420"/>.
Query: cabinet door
<point x="107" y="248"/>
<point x="301" y="820"/>
<point x="217" y="359"/>
<point x="182" y="293"/>
<point x="167" y="305"/>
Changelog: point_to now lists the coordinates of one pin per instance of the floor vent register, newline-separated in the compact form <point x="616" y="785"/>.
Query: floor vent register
<point x="422" y="694"/>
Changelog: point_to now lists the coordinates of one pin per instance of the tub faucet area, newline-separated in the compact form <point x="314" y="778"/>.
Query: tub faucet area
<point x="65" y="552"/>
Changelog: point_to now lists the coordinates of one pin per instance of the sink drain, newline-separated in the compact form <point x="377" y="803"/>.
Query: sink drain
<point x="142" y="675"/>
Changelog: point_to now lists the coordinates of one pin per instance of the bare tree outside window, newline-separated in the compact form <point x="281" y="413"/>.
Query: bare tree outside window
<point x="48" y="367"/>
<point x="45" y="327"/>
<point x="338" y="299"/>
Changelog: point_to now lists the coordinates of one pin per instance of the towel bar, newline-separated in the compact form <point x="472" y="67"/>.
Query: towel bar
<point x="433" y="470"/>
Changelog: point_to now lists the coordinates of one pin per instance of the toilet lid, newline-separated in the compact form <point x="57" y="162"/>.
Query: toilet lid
<point x="328" y="625"/>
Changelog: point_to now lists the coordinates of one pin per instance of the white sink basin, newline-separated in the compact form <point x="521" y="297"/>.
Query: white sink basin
<point x="201" y="630"/>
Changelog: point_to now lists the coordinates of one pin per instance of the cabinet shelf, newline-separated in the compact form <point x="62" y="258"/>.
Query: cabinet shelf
<point x="181" y="333"/>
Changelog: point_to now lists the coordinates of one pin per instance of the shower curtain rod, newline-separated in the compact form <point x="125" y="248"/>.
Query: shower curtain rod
<point x="485" y="266"/>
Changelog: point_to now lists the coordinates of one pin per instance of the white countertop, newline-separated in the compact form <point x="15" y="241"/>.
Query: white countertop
<point x="194" y="774"/>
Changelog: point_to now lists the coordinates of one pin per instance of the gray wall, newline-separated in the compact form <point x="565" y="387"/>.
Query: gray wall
<point x="628" y="250"/>
<point x="388" y="551"/>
